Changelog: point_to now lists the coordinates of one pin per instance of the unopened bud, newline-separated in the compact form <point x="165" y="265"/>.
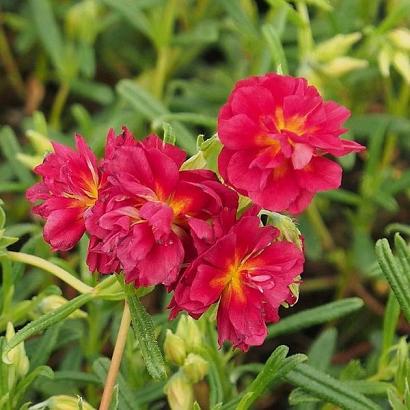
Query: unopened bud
<point x="189" y="332"/>
<point x="400" y="38"/>
<point x="17" y="356"/>
<point x="174" y="349"/>
<point x="384" y="59"/>
<point x="335" y="47"/>
<point x="53" y="302"/>
<point x="342" y="65"/>
<point x="207" y="155"/>
<point x="39" y="142"/>
<point x="29" y="161"/>
<point x="63" y="402"/>
<point x="195" y="367"/>
<point x="287" y="228"/>
<point x="401" y="62"/>
<point x="179" y="392"/>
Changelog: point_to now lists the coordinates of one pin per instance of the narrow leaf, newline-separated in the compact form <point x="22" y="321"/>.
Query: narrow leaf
<point x="126" y="397"/>
<point x="276" y="367"/>
<point x="46" y="321"/>
<point x="10" y="148"/>
<point x="327" y="388"/>
<point x="315" y="316"/>
<point x="397" y="279"/>
<point x="48" y="30"/>
<point x="144" y="103"/>
<point x="145" y="334"/>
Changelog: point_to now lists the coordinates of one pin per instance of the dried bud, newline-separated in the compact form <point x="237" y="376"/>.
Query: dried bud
<point x="180" y="393"/>
<point x="195" y="367"/>
<point x="189" y="332"/>
<point x="53" y="302"/>
<point x="174" y="348"/>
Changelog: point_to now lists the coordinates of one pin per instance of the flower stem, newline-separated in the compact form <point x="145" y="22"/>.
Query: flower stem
<point x="116" y="358"/>
<point x="58" y="105"/>
<point x="60" y="273"/>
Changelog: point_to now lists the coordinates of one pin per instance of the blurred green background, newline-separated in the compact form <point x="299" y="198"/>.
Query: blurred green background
<point x="85" y="66"/>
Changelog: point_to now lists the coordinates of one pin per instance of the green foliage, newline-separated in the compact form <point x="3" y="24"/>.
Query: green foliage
<point x="167" y="67"/>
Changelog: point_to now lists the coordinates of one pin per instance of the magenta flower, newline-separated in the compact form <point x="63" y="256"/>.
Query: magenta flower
<point x="275" y="131"/>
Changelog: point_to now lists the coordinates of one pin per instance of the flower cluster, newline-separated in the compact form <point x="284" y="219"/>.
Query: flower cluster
<point x="157" y="223"/>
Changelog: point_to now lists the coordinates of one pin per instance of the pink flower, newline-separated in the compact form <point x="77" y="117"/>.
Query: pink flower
<point x="275" y="131"/>
<point x="143" y="215"/>
<point x="248" y="271"/>
<point x="70" y="186"/>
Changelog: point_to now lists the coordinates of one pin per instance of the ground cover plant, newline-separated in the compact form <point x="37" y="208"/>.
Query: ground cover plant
<point x="205" y="204"/>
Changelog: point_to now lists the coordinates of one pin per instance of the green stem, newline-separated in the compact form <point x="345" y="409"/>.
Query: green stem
<point x="60" y="273"/>
<point x="161" y="70"/>
<point x="305" y="37"/>
<point x="58" y="105"/>
<point x="319" y="226"/>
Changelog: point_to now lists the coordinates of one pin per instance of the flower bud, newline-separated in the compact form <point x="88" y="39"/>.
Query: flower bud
<point x="63" y="402"/>
<point x="384" y="59"/>
<point x="180" y="393"/>
<point x="29" y="161"/>
<point x="174" y="348"/>
<point x="195" y="367"/>
<point x="16" y="357"/>
<point x="53" y="302"/>
<point x="40" y="142"/>
<point x="287" y="228"/>
<point x="335" y="47"/>
<point x="189" y="332"/>
<point x="401" y="62"/>
<point x="342" y="65"/>
<point x="400" y="38"/>
<point x="207" y="155"/>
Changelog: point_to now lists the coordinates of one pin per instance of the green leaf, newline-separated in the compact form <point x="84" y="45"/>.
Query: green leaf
<point x="24" y="384"/>
<point x="45" y="322"/>
<point x="48" y="31"/>
<point x="322" y="350"/>
<point x="315" y="316"/>
<point x="46" y="346"/>
<point x="10" y="148"/>
<point x="391" y="317"/>
<point x="298" y="396"/>
<point x="144" y="103"/>
<point x="242" y="20"/>
<point x="325" y="387"/>
<point x="77" y="377"/>
<point x="126" y="397"/>
<point x="145" y="334"/>
<point x="276" y="367"/>
<point x="98" y="92"/>
<point x="392" y="268"/>
<point x="275" y="47"/>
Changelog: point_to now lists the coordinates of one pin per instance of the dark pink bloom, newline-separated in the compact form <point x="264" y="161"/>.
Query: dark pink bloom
<point x="248" y="271"/>
<point x="276" y="130"/>
<point x="143" y="216"/>
<point x="70" y="186"/>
